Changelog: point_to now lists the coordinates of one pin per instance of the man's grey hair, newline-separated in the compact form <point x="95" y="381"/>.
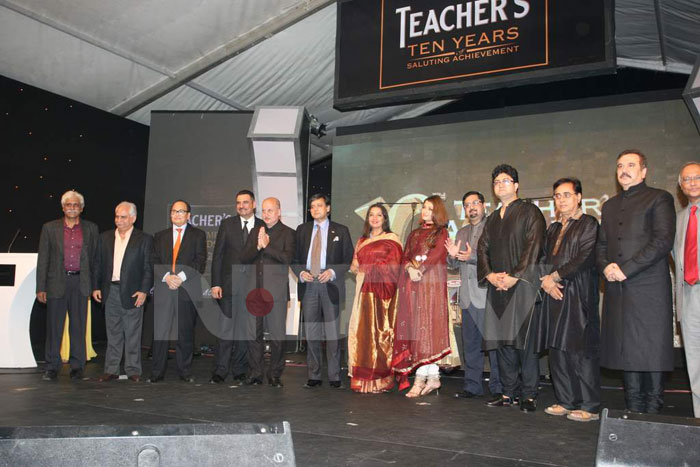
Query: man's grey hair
<point x="72" y="194"/>
<point x="130" y="205"/>
<point x="684" y="166"/>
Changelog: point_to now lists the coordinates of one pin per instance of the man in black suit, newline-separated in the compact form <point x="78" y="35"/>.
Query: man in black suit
<point x="323" y="255"/>
<point x="66" y="253"/>
<point x="272" y="254"/>
<point x="230" y="286"/>
<point x="123" y="275"/>
<point x="180" y="255"/>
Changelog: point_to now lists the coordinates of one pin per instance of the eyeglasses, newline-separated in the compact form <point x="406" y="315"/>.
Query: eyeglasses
<point x="473" y="203"/>
<point x="504" y="182"/>
<point x="178" y="211"/>
<point x="689" y="180"/>
<point x="71" y="205"/>
<point x="565" y="195"/>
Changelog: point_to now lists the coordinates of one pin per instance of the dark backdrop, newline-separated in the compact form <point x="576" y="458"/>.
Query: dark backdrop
<point x="51" y="144"/>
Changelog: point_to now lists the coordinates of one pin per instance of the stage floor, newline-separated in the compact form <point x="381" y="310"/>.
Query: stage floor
<point x="329" y="426"/>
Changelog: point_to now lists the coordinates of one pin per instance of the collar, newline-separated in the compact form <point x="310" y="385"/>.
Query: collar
<point x="574" y="217"/>
<point x="634" y="189"/>
<point x="127" y="234"/>
<point x="183" y="227"/>
<point x="322" y="225"/>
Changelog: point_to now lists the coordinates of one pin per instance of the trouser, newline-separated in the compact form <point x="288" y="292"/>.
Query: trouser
<point x="644" y="391"/>
<point x="576" y="380"/>
<point x="123" y="327"/>
<point x="321" y="319"/>
<point x="473" y="356"/>
<point x="429" y="370"/>
<point x="170" y="314"/>
<point x="519" y="369"/>
<point x="274" y="322"/>
<point x="232" y="349"/>
<point x="690" y="326"/>
<point x="76" y="305"/>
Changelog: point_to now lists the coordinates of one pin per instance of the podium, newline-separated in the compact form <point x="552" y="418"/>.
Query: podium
<point x="17" y="294"/>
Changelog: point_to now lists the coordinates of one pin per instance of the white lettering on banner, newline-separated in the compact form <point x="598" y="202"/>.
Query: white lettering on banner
<point x="207" y="220"/>
<point x="466" y="14"/>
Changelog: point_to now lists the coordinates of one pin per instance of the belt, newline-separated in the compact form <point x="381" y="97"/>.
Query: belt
<point x="72" y="273"/>
<point x="115" y="282"/>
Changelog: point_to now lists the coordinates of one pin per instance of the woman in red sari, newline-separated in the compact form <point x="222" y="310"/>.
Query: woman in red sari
<point x="371" y="336"/>
<point x="422" y="334"/>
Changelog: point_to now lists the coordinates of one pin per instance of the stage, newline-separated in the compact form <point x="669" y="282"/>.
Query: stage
<point x="329" y="426"/>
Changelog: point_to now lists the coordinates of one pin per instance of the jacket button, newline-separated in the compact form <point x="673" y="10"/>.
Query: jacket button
<point x="619" y="238"/>
<point x="620" y="255"/>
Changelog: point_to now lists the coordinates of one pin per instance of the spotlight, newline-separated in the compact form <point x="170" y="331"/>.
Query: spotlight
<point x="317" y="128"/>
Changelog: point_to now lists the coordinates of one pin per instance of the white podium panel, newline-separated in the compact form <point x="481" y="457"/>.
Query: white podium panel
<point x="15" y="311"/>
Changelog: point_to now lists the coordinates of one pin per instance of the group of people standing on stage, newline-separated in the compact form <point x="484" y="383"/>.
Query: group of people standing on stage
<point x="525" y="288"/>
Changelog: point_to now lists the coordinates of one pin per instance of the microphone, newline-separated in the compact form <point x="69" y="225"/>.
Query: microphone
<point x="13" y="240"/>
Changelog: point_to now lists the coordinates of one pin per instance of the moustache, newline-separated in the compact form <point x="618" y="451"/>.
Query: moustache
<point x="625" y="175"/>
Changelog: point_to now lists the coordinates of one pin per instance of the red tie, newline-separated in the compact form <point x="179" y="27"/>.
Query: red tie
<point x="690" y="258"/>
<point x="176" y="248"/>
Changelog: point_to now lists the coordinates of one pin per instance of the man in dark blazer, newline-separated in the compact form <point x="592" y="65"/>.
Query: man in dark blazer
<point x="229" y="280"/>
<point x="179" y="259"/>
<point x="636" y="236"/>
<point x="63" y="281"/>
<point x="123" y="276"/>
<point x="321" y="264"/>
<point x="272" y="252"/>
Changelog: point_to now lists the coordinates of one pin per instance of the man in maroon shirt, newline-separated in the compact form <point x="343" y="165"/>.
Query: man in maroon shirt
<point x="66" y="252"/>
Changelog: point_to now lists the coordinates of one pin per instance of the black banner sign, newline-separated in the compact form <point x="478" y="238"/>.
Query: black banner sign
<point x="399" y="51"/>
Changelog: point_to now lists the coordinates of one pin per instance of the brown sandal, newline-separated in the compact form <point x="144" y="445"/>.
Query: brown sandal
<point x="582" y="416"/>
<point x="557" y="410"/>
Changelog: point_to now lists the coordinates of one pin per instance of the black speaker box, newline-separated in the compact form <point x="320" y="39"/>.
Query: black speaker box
<point x="647" y="440"/>
<point x="211" y="445"/>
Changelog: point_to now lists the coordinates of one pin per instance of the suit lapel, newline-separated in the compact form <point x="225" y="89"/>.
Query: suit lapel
<point x="329" y="242"/>
<point x="59" y="238"/>
<point x="110" y="251"/>
<point x="130" y="246"/>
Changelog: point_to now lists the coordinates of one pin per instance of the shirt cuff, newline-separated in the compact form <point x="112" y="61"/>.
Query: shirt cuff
<point x="332" y="274"/>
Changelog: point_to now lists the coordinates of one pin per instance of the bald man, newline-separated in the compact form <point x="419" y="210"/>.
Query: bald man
<point x="271" y="254"/>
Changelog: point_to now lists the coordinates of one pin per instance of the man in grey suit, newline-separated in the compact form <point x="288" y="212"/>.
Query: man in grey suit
<point x="472" y="300"/>
<point x="63" y="281"/>
<point x="123" y="275"/>
<point x="685" y="252"/>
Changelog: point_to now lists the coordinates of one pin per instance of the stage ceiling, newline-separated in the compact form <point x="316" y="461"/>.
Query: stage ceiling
<point x="130" y="57"/>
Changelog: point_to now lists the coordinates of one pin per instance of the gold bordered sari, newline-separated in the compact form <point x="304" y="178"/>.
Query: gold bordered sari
<point x="371" y="332"/>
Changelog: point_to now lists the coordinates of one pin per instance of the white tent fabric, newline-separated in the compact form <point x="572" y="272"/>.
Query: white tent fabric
<point x="134" y="56"/>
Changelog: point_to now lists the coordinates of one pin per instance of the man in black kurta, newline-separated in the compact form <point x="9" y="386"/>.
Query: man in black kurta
<point x="568" y="323"/>
<point x="636" y="235"/>
<point x="507" y="256"/>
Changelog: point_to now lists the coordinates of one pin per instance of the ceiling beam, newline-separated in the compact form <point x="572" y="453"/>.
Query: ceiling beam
<point x="64" y="28"/>
<point x="220" y="54"/>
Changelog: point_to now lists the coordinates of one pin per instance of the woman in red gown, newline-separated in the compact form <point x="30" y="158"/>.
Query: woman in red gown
<point x="422" y="335"/>
<point x="371" y="335"/>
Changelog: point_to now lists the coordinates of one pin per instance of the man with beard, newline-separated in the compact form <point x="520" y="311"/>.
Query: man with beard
<point x="229" y="286"/>
<point x="508" y="253"/>
<point x="472" y="300"/>
<point x="63" y="282"/>
<point x="636" y="236"/>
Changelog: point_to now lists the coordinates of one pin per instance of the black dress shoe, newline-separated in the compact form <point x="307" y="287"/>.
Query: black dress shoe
<point x="500" y="401"/>
<point x="336" y="384"/>
<point x="312" y="383"/>
<point x="107" y="377"/>
<point x="239" y="377"/>
<point x="49" y="376"/>
<point x="276" y="382"/>
<point x="216" y="379"/>
<point x="154" y="379"/>
<point x="252" y="381"/>
<point x="76" y="374"/>
<point x="466" y="395"/>
<point x="528" y="405"/>
<point x="187" y="378"/>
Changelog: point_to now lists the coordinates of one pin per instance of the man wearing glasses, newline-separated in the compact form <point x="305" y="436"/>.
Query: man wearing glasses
<point x="63" y="282"/>
<point x="685" y="252"/>
<point x="472" y="300"/>
<point x="569" y="324"/>
<point x="508" y="253"/>
<point x="636" y="235"/>
<point x="178" y="261"/>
